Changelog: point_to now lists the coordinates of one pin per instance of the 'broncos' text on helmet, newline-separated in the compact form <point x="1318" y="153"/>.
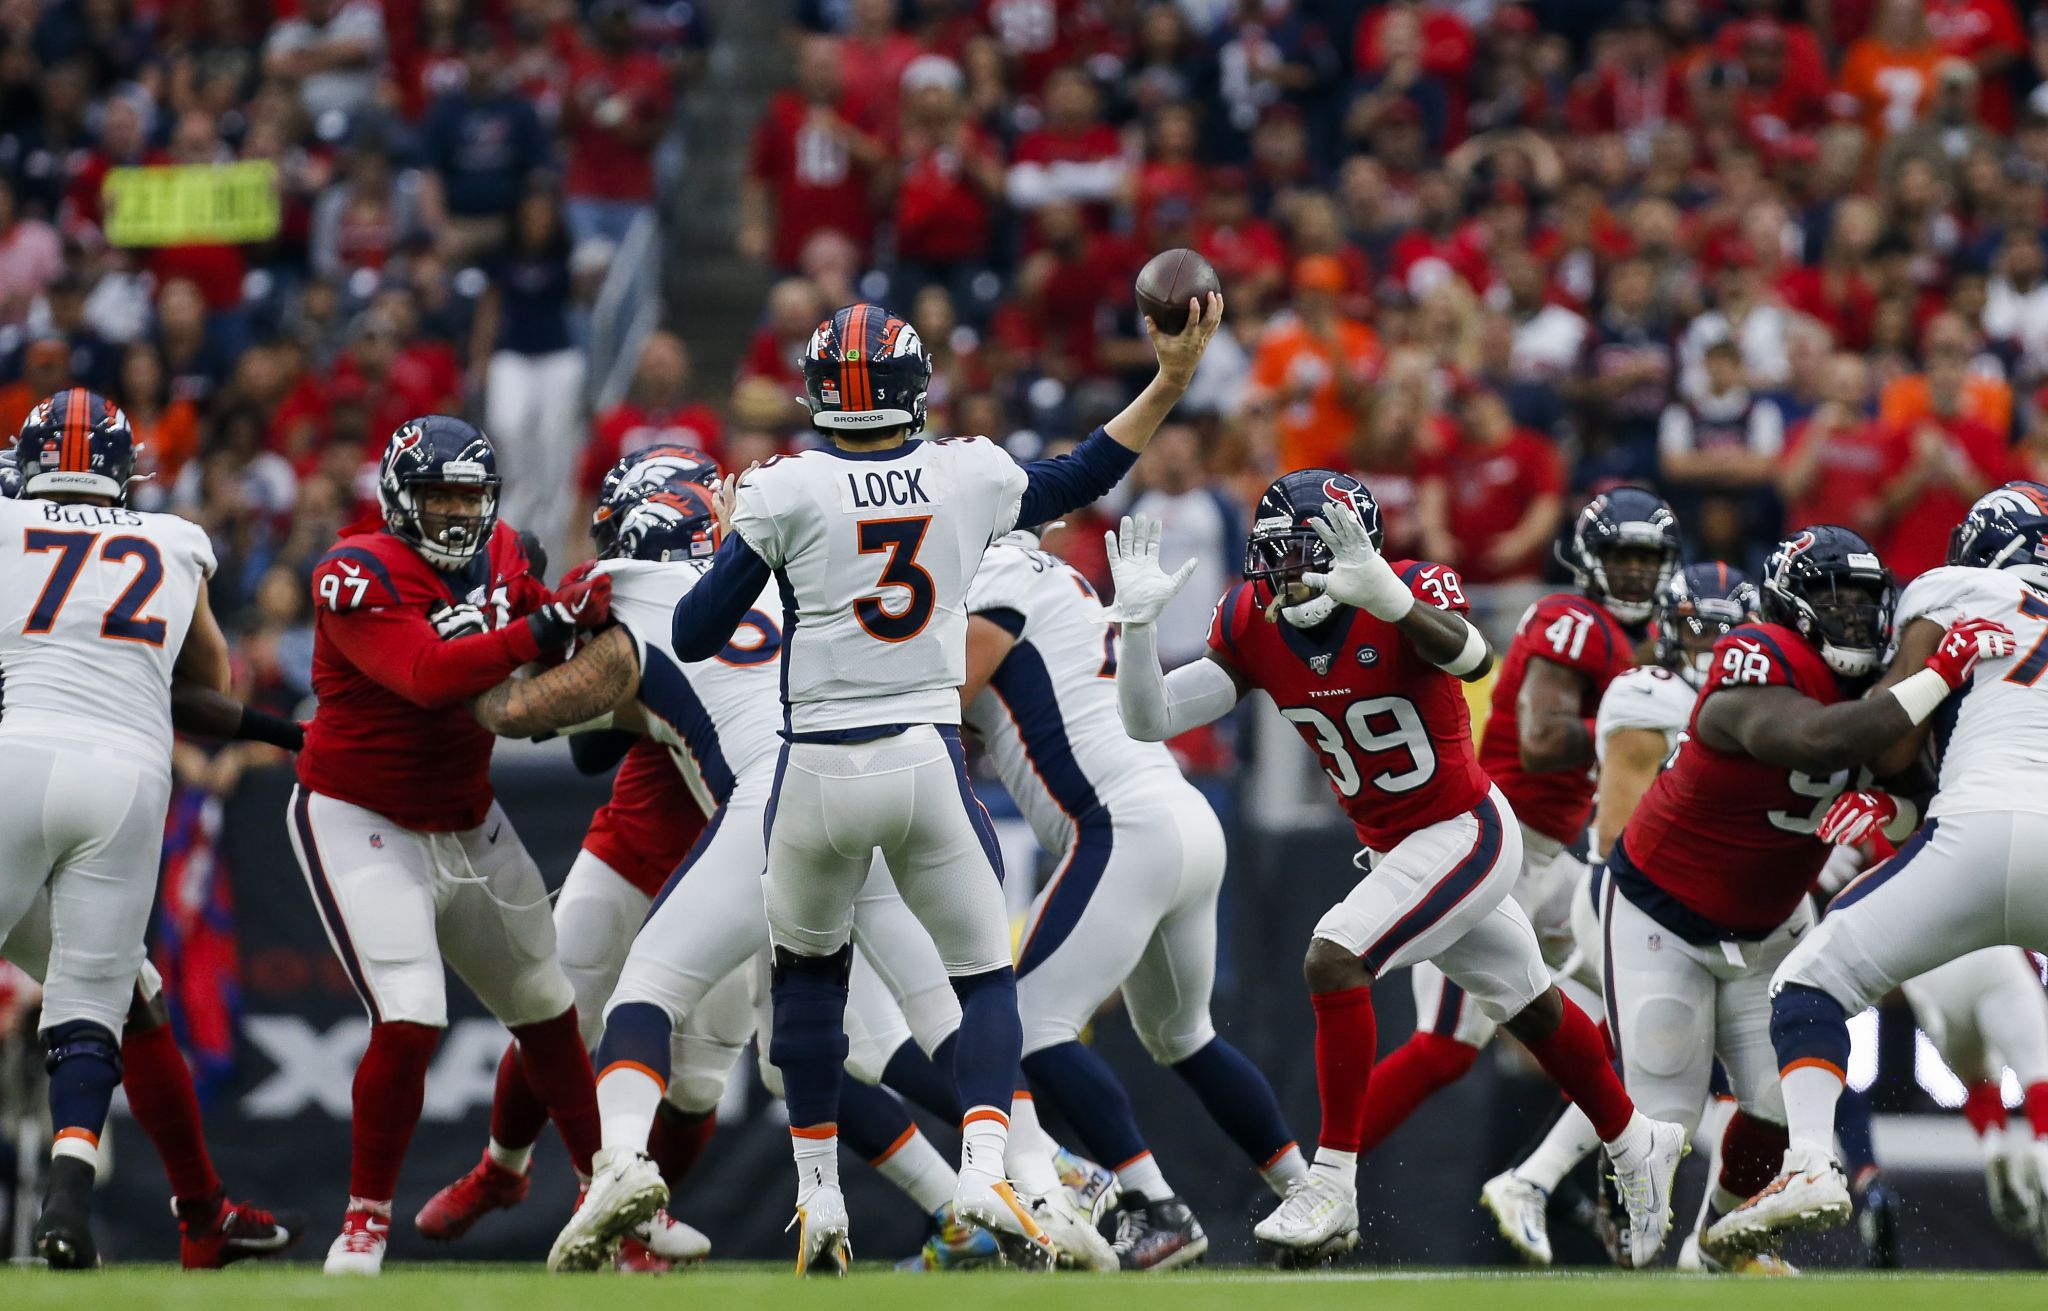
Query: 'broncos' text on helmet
<point x="639" y="475"/>
<point x="866" y="371"/>
<point x="675" y="523"/>
<point x="1827" y="584"/>
<point x="1698" y="607"/>
<point x="76" y="441"/>
<point x="439" y="458"/>
<point x="2007" y="528"/>
<point x="1623" y="549"/>
<point x="1282" y="546"/>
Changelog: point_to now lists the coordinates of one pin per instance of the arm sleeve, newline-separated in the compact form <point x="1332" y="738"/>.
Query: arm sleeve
<point x="1157" y="706"/>
<point x="399" y="650"/>
<point x="706" y="617"/>
<point x="1068" y="482"/>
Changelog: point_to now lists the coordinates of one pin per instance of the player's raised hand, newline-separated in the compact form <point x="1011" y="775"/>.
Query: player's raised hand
<point x="725" y="494"/>
<point x="1143" y="589"/>
<point x="1965" y="643"/>
<point x="582" y="603"/>
<point x="1358" y="575"/>
<point x="1178" y="355"/>
<point x="1856" y="817"/>
<point x="453" y="621"/>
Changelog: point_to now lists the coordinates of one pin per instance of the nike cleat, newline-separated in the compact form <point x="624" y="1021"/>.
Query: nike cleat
<point x="488" y="1187"/>
<point x="217" y="1232"/>
<point x="1316" y="1220"/>
<point x="822" y="1243"/>
<point x="1809" y="1193"/>
<point x="625" y="1191"/>
<point x="1522" y="1210"/>
<point x="1157" y="1235"/>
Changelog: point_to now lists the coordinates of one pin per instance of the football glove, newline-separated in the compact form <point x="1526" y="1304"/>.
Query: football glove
<point x="452" y="621"/>
<point x="1965" y="643"/>
<point x="1143" y="589"/>
<point x="1359" y="575"/>
<point x="583" y="603"/>
<point x="1856" y="817"/>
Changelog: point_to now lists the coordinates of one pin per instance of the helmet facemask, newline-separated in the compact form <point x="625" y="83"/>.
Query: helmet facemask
<point x="1630" y="576"/>
<point x="1278" y="553"/>
<point x="455" y="533"/>
<point x="1851" y="620"/>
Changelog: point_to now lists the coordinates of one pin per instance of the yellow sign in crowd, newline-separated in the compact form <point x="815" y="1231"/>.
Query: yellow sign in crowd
<point x="191" y="204"/>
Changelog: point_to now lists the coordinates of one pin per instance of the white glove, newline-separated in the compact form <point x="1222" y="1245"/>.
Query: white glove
<point x="1359" y="575"/>
<point x="1142" y="587"/>
<point x="453" y="621"/>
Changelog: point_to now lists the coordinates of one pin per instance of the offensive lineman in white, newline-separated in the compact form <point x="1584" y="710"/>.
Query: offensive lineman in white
<point x="1641" y="716"/>
<point x="1133" y="905"/>
<point x="99" y="605"/>
<point x="872" y="541"/>
<point x="1974" y="875"/>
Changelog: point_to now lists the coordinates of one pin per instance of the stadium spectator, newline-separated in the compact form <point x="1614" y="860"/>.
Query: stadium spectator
<point x="1199" y="524"/>
<point x="166" y="427"/>
<point x="31" y="257"/>
<point x="332" y="51"/>
<point x="812" y="164"/>
<point x="1717" y="456"/>
<point x="948" y="183"/>
<point x="483" y="145"/>
<point x="1938" y="459"/>
<point x="45" y="368"/>
<point x="617" y="106"/>
<point x="1834" y="460"/>
<point x="657" y="411"/>
<point x="1310" y="371"/>
<point x="1887" y="77"/>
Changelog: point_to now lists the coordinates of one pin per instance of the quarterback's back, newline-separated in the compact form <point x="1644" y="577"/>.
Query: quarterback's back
<point x="95" y="603"/>
<point x="873" y="552"/>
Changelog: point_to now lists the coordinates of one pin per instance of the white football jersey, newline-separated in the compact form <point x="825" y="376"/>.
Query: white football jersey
<point x="1648" y="696"/>
<point x="95" y="603"/>
<point x="1049" y="717"/>
<point x="874" y="552"/>
<point x="718" y="717"/>
<point x="1993" y="735"/>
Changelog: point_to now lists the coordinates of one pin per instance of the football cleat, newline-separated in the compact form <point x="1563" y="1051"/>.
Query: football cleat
<point x="1157" y="1235"/>
<point x="953" y="1245"/>
<point x="633" y="1258"/>
<point x="452" y="1212"/>
<point x="63" y="1233"/>
<point x="231" y="1232"/>
<point x="1877" y="1219"/>
<point x="2036" y="1152"/>
<point x="1080" y="1241"/>
<point x="1522" y="1210"/>
<point x="1316" y="1220"/>
<point x="2010" y="1185"/>
<point x="359" y="1248"/>
<point x="1809" y="1193"/>
<point x="1094" y="1188"/>
<point x="670" y="1239"/>
<point x="1693" y="1257"/>
<point x="994" y="1205"/>
<point x="1643" y="1181"/>
<point x="625" y="1191"/>
<point x="822" y="1245"/>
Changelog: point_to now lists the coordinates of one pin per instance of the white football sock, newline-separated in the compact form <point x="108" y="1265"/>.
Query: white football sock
<point x="1281" y="1172"/>
<point x="1811" y="1092"/>
<point x="1570" y="1141"/>
<point x="1338" y="1167"/>
<point x="916" y="1167"/>
<point x="627" y="1097"/>
<point x="817" y="1161"/>
<point x="514" y="1159"/>
<point x="1028" y="1154"/>
<point x="984" y="1136"/>
<point x="1141" y="1175"/>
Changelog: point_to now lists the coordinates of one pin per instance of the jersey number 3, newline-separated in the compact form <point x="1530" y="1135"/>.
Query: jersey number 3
<point x="901" y="538"/>
<point x="124" y="620"/>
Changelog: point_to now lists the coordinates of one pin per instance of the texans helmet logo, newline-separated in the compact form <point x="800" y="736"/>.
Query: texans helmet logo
<point x="1335" y="489"/>
<point x="407" y="438"/>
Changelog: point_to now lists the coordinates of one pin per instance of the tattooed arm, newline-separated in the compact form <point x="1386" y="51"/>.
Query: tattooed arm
<point x="601" y="679"/>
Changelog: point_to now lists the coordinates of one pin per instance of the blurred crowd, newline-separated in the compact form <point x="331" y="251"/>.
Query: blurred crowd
<point x="454" y="177"/>
<point x="1780" y="259"/>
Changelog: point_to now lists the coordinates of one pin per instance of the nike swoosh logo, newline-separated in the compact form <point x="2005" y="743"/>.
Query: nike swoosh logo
<point x="373" y="1227"/>
<point x="492" y="836"/>
<point x="351" y="570"/>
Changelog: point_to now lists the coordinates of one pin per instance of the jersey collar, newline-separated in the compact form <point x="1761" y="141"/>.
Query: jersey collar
<point x="1325" y="641"/>
<point x="886" y="453"/>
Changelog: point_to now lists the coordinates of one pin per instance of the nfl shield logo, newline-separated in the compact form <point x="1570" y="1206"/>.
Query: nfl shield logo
<point x="1319" y="663"/>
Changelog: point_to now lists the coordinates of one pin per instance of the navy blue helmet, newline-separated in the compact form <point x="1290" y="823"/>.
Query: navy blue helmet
<point x="1626" y="519"/>
<point x="1699" y="606"/>
<point x="866" y="371"/>
<point x="2006" y="529"/>
<point x="639" y="475"/>
<point x="1825" y="583"/>
<point x="1282" y="544"/>
<point x="10" y="476"/>
<point x="439" y="452"/>
<point x="675" y="523"/>
<point x="76" y="441"/>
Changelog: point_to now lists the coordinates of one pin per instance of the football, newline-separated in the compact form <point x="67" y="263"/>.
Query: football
<point x="1168" y="281"/>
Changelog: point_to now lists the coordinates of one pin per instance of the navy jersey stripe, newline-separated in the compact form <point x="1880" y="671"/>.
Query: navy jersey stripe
<point x="1462" y="880"/>
<point x="324" y="901"/>
<point x="1072" y="889"/>
<point x="1756" y="634"/>
<point x="367" y="559"/>
<point x="666" y="690"/>
<point x="1024" y="685"/>
<point x="689" y="861"/>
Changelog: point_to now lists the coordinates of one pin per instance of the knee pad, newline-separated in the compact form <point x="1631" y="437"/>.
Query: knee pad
<point x="1171" y="1047"/>
<point x="540" y="992"/>
<point x="80" y="1040"/>
<point x="592" y="933"/>
<point x="698" y="1071"/>
<point x="1666" y="1037"/>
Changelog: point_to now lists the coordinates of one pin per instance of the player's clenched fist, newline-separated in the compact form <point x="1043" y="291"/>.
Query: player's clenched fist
<point x="453" y="621"/>
<point x="583" y="602"/>
<point x="1965" y="643"/>
<point x="1856" y="817"/>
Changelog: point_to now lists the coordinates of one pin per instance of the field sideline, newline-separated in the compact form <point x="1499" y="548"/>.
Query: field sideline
<point x="454" y="1287"/>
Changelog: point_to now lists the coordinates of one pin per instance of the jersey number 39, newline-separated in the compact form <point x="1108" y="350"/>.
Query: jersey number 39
<point x="1407" y="734"/>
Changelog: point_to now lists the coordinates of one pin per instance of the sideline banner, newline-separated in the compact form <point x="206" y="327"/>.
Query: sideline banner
<point x="191" y="204"/>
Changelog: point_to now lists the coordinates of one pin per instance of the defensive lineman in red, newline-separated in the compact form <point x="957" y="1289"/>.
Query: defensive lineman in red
<point x="1364" y="656"/>
<point x="407" y="855"/>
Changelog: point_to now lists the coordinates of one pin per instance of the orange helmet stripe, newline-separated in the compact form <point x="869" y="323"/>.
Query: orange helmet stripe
<point x="854" y="384"/>
<point x="76" y="456"/>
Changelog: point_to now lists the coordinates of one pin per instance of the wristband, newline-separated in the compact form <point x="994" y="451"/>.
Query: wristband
<point x="262" y="726"/>
<point x="1471" y="657"/>
<point x="1921" y="694"/>
<point x="1905" y="821"/>
<point x="549" y="633"/>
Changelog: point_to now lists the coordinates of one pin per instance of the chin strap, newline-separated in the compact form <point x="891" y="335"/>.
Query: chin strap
<point x="1311" y="612"/>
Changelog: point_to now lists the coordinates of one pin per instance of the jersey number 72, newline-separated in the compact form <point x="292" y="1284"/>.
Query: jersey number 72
<point x="124" y="620"/>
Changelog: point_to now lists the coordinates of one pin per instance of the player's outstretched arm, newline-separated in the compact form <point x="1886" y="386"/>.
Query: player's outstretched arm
<point x="1360" y="576"/>
<point x="593" y="683"/>
<point x="710" y="612"/>
<point x="1155" y="705"/>
<point x="1916" y="643"/>
<point x="203" y="712"/>
<point x="1782" y="726"/>
<point x="1178" y="356"/>
<point x="203" y="659"/>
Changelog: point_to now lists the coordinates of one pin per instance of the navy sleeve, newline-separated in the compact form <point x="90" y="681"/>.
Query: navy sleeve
<point x="1070" y="481"/>
<point x="1005" y="618"/>
<point x="706" y="618"/>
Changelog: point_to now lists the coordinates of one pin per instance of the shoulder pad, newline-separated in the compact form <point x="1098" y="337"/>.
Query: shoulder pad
<point x="351" y="577"/>
<point x="1437" y="584"/>
<point x="1755" y="656"/>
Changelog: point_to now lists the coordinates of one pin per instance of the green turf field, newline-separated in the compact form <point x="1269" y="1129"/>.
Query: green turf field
<point x="444" y="1287"/>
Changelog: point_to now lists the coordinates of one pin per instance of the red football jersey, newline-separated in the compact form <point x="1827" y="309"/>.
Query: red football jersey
<point x="1391" y="728"/>
<point x="651" y="821"/>
<point x="1577" y="632"/>
<point x="1729" y="837"/>
<point x="393" y="733"/>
